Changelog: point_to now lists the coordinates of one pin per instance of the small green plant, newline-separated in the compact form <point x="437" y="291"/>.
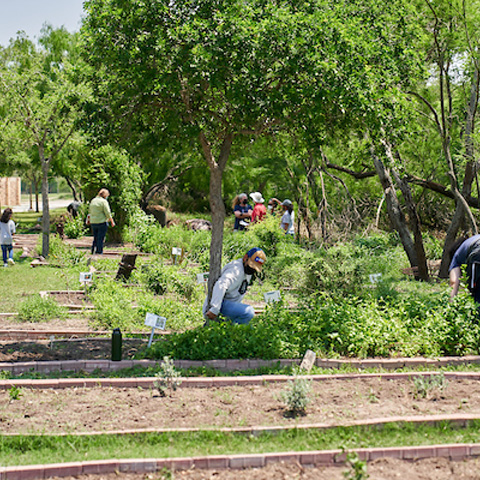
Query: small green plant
<point x="372" y="398"/>
<point x="64" y="254"/>
<point x="14" y="393"/>
<point x="40" y="309"/>
<point x="423" y="387"/>
<point x="297" y="395"/>
<point x="5" y="374"/>
<point x="75" y="227"/>
<point x="357" y="468"/>
<point x="166" y="474"/>
<point x="167" y="378"/>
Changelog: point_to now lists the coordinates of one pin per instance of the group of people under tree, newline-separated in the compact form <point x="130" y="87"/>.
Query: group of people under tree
<point x="245" y="214"/>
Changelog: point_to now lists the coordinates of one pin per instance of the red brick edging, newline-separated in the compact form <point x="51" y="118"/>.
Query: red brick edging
<point x="308" y="459"/>
<point x="17" y="368"/>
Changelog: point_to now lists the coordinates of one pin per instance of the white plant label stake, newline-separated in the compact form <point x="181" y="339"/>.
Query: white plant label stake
<point x="176" y="253"/>
<point x="85" y="278"/>
<point x="272" y="296"/>
<point x="202" y="279"/>
<point x="154" y="321"/>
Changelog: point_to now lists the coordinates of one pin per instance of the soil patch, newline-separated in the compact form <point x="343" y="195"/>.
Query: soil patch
<point x="381" y="469"/>
<point x="333" y="402"/>
<point x="71" y="349"/>
<point x="70" y="298"/>
<point x="67" y="324"/>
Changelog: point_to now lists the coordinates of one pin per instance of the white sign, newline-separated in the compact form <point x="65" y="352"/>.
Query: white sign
<point x="375" y="277"/>
<point x="86" y="277"/>
<point x="176" y="252"/>
<point x="272" y="296"/>
<point x="202" y="278"/>
<point x="155" y="321"/>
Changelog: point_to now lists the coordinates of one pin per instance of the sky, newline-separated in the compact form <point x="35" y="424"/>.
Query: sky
<point x="30" y="15"/>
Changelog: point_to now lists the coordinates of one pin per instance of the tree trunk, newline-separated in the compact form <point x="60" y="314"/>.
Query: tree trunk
<point x="30" y="196"/>
<point x="452" y="230"/>
<point x="415" y="224"/>
<point x="71" y="185"/>
<point x="395" y="212"/>
<point x="217" y="206"/>
<point x="45" y="206"/>
<point x="412" y="212"/>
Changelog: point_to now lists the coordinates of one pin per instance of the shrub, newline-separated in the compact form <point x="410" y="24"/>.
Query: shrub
<point x="162" y="279"/>
<point x="63" y="254"/>
<point x="110" y="167"/>
<point x="296" y="396"/>
<point x="352" y="327"/>
<point x="425" y="386"/>
<point x="113" y="306"/>
<point x="75" y="227"/>
<point x="357" y="468"/>
<point x="167" y="377"/>
<point x="39" y="309"/>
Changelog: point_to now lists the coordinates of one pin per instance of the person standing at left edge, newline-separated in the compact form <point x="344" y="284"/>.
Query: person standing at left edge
<point x="100" y="215"/>
<point x="230" y="288"/>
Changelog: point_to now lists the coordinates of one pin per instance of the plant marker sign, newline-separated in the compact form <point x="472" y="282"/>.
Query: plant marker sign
<point x="375" y="277"/>
<point x="177" y="254"/>
<point x="272" y="296"/>
<point x="85" y="277"/>
<point x="202" y="279"/>
<point x="154" y="321"/>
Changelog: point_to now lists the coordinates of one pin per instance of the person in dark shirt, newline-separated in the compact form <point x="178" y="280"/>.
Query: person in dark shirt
<point x="242" y="211"/>
<point x="459" y="254"/>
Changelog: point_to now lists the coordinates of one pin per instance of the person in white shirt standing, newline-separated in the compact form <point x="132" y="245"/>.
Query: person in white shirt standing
<point x="288" y="218"/>
<point x="7" y="230"/>
<point x="230" y="288"/>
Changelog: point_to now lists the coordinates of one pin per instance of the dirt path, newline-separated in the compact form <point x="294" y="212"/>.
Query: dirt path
<point x="333" y="403"/>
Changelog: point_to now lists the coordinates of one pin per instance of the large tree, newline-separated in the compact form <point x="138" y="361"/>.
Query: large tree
<point x="44" y="99"/>
<point x="213" y="71"/>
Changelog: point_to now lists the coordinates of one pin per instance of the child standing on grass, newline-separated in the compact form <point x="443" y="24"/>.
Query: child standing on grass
<point x="7" y="230"/>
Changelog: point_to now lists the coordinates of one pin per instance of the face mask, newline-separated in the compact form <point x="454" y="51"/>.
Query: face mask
<point x="249" y="270"/>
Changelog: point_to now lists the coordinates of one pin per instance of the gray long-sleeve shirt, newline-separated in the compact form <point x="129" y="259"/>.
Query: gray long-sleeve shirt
<point x="230" y="286"/>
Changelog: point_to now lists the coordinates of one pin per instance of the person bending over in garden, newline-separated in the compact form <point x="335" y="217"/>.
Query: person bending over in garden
<point x="100" y="214"/>
<point x="230" y="288"/>
<point x="465" y="252"/>
<point x="7" y="230"/>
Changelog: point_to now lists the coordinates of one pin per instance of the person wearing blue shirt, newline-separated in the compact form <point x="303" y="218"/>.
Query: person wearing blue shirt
<point x="459" y="252"/>
<point x="242" y="211"/>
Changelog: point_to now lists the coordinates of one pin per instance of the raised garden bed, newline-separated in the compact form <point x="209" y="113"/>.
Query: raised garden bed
<point x="335" y="401"/>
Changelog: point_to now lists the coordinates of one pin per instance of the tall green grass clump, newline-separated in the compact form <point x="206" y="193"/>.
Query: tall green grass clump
<point x="64" y="254"/>
<point x="40" y="309"/>
<point x="117" y="306"/>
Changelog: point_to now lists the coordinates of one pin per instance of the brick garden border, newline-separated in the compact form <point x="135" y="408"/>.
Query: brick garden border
<point x="230" y="365"/>
<point x="325" y="458"/>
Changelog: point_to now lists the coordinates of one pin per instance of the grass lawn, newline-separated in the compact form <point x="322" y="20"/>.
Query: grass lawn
<point x="21" y="280"/>
<point x="40" y="449"/>
<point x="25" y="221"/>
